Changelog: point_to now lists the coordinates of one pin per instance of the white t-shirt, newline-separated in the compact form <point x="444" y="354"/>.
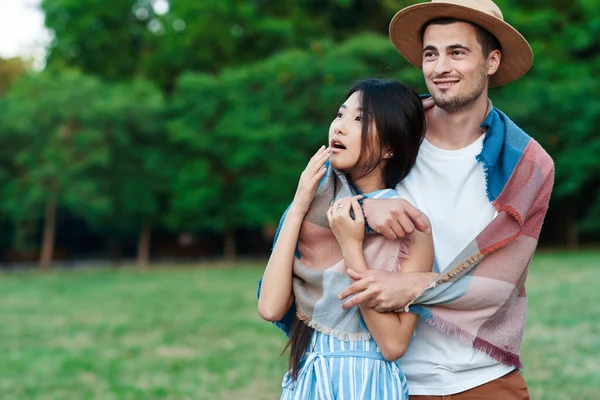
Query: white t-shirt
<point x="449" y="187"/>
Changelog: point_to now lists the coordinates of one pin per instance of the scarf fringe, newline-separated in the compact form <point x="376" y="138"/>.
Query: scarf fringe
<point x="486" y="171"/>
<point x="344" y="336"/>
<point x="454" y="272"/>
<point x="495" y="352"/>
<point x="402" y="254"/>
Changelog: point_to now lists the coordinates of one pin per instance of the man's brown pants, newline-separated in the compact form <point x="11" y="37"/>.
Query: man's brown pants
<point x="508" y="387"/>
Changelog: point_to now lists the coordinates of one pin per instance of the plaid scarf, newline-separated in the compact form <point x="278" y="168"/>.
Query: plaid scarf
<point x="319" y="268"/>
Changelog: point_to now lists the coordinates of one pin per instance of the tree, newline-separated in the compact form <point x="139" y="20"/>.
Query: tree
<point x="47" y="144"/>
<point x="133" y="180"/>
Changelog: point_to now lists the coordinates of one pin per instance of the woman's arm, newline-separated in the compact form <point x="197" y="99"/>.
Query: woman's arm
<point x="391" y="331"/>
<point x="276" y="295"/>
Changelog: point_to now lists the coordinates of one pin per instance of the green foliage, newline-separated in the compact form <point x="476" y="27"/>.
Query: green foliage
<point x="49" y="140"/>
<point x="128" y="117"/>
<point x="197" y="35"/>
<point x="108" y="41"/>
<point x="250" y="131"/>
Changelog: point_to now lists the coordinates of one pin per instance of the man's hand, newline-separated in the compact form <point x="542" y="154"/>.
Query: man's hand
<point x="383" y="290"/>
<point x="394" y="218"/>
<point x="427" y="103"/>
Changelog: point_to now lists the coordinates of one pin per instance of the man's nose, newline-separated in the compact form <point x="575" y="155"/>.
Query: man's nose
<point x="442" y="65"/>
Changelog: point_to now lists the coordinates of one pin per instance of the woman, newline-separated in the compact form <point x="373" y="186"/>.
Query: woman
<point x="338" y="354"/>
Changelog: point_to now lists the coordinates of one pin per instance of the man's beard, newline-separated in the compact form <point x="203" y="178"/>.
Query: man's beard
<point x="461" y="101"/>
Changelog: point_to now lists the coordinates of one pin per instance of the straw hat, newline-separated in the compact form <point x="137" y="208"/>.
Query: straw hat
<point x="405" y="32"/>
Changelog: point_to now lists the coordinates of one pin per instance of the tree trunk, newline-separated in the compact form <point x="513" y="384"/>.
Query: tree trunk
<point x="229" y="250"/>
<point x="48" y="235"/>
<point x="143" y="252"/>
<point x="571" y="224"/>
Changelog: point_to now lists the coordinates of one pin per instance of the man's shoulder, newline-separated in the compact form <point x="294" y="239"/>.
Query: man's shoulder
<point x="531" y="147"/>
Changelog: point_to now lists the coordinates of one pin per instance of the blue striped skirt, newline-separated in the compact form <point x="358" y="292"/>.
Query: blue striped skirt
<point x="337" y="370"/>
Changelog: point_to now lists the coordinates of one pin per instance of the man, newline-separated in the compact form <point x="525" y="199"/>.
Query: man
<point x="485" y="186"/>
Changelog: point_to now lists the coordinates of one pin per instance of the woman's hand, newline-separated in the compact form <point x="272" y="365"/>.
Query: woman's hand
<point x="350" y="232"/>
<point x="309" y="180"/>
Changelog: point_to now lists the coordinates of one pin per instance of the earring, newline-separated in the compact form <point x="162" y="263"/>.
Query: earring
<point x="389" y="154"/>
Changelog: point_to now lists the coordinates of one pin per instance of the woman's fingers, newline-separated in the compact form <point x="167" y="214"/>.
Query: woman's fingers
<point x="318" y="153"/>
<point x="358" y="214"/>
<point x="342" y="207"/>
<point x="319" y="156"/>
<point x="317" y="162"/>
<point x="330" y="214"/>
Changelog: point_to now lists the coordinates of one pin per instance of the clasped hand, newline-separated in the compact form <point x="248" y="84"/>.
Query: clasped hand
<point x="348" y="227"/>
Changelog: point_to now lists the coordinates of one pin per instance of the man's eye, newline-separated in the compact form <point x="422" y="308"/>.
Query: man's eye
<point x="428" y="55"/>
<point x="458" y="52"/>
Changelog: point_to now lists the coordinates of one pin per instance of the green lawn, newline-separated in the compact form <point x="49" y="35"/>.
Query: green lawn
<point x="195" y="334"/>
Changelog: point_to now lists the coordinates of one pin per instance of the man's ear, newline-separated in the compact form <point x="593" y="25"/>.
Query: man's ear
<point x="493" y="61"/>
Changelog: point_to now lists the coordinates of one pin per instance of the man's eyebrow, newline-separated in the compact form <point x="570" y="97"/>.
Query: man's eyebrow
<point x="458" y="46"/>
<point x="448" y="48"/>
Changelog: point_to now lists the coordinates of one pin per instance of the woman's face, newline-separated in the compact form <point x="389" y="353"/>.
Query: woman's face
<point x="345" y="135"/>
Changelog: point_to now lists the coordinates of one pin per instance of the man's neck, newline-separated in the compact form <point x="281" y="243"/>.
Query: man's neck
<point x="456" y="130"/>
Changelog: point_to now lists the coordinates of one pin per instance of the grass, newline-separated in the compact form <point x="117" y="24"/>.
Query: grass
<point x="195" y="334"/>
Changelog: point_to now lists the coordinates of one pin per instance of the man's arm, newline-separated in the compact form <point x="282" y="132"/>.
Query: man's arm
<point x="382" y="290"/>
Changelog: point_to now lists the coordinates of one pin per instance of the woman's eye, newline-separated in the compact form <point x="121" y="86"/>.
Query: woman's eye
<point x="359" y="118"/>
<point x="339" y="115"/>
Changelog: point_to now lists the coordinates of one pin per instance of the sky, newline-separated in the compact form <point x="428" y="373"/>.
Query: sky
<point x="22" y="30"/>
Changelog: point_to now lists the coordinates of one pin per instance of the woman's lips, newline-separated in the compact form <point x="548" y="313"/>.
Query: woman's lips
<point x="337" y="146"/>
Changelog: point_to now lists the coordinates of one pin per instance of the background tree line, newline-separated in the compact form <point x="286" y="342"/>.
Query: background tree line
<point x="199" y="116"/>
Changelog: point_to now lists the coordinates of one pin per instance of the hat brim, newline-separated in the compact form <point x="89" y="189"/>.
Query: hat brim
<point x="405" y="33"/>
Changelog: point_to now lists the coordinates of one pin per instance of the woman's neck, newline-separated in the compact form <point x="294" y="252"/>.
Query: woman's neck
<point x="368" y="183"/>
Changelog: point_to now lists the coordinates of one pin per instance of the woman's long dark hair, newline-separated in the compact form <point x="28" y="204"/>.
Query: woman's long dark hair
<point x="397" y="113"/>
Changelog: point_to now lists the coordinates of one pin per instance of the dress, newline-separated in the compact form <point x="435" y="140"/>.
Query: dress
<point x="333" y="369"/>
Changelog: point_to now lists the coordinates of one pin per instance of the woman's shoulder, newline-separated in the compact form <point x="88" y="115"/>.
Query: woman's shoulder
<point x="382" y="194"/>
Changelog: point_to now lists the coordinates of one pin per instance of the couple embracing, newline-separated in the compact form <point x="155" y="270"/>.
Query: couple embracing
<point x="398" y="271"/>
